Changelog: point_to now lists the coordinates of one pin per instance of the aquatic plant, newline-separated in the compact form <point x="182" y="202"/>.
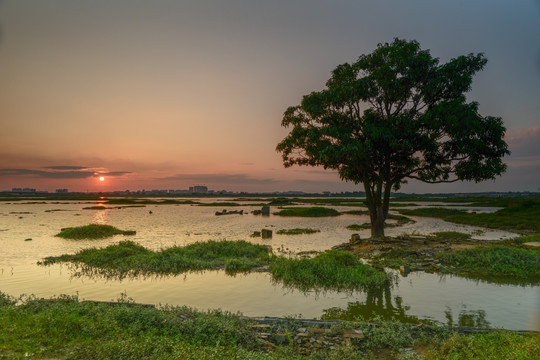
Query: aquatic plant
<point x="330" y="270"/>
<point x="315" y="211"/>
<point x="297" y="231"/>
<point x="92" y="231"/>
<point x="129" y="258"/>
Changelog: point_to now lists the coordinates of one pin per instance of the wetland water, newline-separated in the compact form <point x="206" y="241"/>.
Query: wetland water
<point x="447" y="299"/>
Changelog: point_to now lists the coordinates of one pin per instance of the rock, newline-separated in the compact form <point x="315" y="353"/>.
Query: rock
<point x="129" y="232"/>
<point x="354" y="238"/>
<point x="266" y="234"/>
<point x="265" y="210"/>
<point x="376" y="253"/>
<point x="281" y="339"/>
<point x="256" y="212"/>
<point x="532" y="245"/>
<point x="404" y="270"/>
<point x="29" y="239"/>
<point x="256" y="234"/>
<point x="302" y="330"/>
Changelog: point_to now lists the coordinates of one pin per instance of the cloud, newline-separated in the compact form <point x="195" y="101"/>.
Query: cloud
<point x="65" y="167"/>
<point x="219" y="179"/>
<point x="60" y="172"/>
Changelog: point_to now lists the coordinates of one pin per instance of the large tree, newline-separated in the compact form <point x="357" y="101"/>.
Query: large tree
<point x="393" y="115"/>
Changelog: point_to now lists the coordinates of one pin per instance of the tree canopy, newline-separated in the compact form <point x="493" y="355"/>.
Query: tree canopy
<point x="396" y="114"/>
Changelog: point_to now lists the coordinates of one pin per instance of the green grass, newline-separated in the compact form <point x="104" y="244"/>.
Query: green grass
<point x="330" y="270"/>
<point x="492" y="346"/>
<point x="523" y="216"/>
<point x="129" y="258"/>
<point x="356" y="212"/>
<point x="297" y="231"/>
<point x="359" y="226"/>
<point x="316" y="211"/>
<point x="66" y="328"/>
<point x="92" y="231"/>
<point x="494" y="260"/>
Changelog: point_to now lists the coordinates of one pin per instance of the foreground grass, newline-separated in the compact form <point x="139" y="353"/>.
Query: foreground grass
<point x="66" y="328"/>
<point x="297" y="231"/>
<point x="316" y="211"/>
<point x="128" y="258"/>
<point x="92" y="231"/>
<point x="333" y="269"/>
<point x="523" y="216"/>
<point x="493" y="346"/>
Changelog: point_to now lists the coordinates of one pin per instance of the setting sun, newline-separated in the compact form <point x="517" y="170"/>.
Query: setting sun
<point x="101" y="178"/>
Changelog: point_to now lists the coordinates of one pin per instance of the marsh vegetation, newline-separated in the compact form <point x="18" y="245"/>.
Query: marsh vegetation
<point x="92" y="231"/>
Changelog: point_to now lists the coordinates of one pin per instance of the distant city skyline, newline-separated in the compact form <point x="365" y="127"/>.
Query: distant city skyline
<point x="167" y="94"/>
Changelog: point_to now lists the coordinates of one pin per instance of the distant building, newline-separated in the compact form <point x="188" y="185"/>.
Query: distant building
<point x="23" y="190"/>
<point x="61" y="191"/>
<point x="198" y="189"/>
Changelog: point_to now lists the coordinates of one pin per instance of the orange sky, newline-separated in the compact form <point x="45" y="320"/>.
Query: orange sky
<point x="165" y="95"/>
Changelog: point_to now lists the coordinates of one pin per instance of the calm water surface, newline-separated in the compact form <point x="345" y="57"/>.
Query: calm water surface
<point x="447" y="299"/>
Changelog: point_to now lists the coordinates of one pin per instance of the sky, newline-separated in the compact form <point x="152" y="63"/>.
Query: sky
<point x="168" y="94"/>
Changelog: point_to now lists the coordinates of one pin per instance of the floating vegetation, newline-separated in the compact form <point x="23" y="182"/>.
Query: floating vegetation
<point x="297" y="231"/>
<point x="359" y="226"/>
<point x="333" y="269"/>
<point x="308" y="212"/>
<point x="97" y="207"/>
<point x="129" y="258"/>
<point x="356" y="212"/>
<point x="92" y="231"/>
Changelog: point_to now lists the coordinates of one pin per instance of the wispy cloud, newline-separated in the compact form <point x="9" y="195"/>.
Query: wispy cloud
<point x="60" y="172"/>
<point x="219" y="179"/>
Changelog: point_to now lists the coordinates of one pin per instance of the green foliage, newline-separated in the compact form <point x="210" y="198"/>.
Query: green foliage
<point x="128" y="258"/>
<point x="316" y="211"/>
<point x="356" y="227"/>
<point x="498" y="345"/>
<point x="92" y="231"/>
<point x="522" y="217"/>
<point x="297" y="231"/>
<point x="330" y="270"/>
<point x="396" y="114"/>
<point x="494" y="260"/>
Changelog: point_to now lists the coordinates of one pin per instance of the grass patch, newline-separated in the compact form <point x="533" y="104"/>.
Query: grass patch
<point x="522" y="216"/>
<point x="316" y="211"/>
<point x="129" y="258"/>
<point x="497" y="345"/>
<point x="494" y="260"/>
<point x="330" y="270"/>
<point x="356" y="212"/>
<point x="66" y="328"/>
<point x="359" y="226"/>
<point x="96" y="207"/>
<point x="297" y="231"/>
<point x="222" y="203"/>
<point x="92" y="231"/>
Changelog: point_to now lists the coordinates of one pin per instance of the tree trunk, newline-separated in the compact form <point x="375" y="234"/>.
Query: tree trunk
<point x="377" y="228"/>
<point x="378" y="204"/>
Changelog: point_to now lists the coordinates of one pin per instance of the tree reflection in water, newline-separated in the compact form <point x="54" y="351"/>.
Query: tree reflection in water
<point x="378" y="305"/>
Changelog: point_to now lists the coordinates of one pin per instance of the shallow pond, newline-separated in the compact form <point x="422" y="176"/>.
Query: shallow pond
<point x="446" y="299"/>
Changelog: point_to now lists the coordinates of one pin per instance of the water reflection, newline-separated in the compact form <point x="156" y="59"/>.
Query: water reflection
<point x="468" y="318"/>
<point x="100" y="217"/>
<point x="379" y="305"/>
